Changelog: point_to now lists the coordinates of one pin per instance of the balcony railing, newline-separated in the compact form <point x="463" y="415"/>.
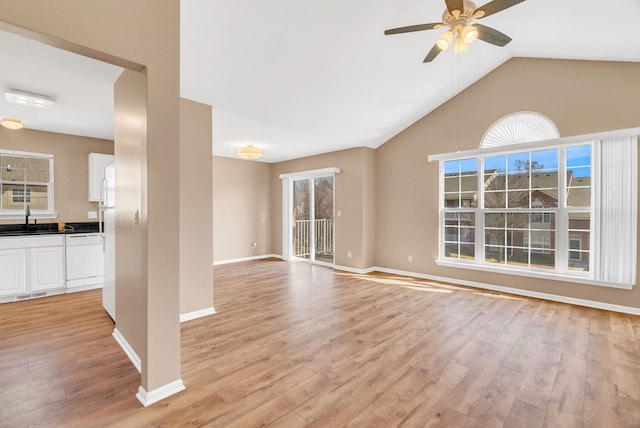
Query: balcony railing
<point x="324" y="238"/>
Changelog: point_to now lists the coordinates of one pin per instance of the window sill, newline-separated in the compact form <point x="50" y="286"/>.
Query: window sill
<point x="533" y="274"/>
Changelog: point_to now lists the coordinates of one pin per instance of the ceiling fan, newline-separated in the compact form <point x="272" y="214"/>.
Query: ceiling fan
<point x="458" y="16"/>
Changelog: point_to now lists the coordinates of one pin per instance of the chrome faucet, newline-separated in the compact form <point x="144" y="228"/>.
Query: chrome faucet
<point x="27" y="213"/>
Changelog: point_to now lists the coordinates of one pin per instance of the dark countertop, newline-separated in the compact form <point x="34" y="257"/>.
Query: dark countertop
<point x="47" y="229"/>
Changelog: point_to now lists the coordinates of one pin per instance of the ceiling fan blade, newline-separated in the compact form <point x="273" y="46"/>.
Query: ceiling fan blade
<point x="489" y="35"/>
<point x="454" y="5"/>
<point x="411" y="28"/>
<point x="496" y="6"/>
<point x="433" y="53"/>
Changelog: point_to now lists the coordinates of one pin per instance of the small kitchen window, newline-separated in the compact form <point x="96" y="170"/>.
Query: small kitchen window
<point x="26" y="179"/>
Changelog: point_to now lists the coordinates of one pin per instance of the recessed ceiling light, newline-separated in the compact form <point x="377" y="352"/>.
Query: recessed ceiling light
<point x="31" y="99"/>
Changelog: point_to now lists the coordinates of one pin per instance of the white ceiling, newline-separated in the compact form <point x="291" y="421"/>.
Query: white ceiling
<point x="299" y="78"/>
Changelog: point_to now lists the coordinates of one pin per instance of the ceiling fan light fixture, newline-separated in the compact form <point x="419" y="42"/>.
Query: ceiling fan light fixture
<point x="249" y="152"/>
<point x="469" y="34"/>
<point x="445" y="39"/>
<point x="11" y="123"/>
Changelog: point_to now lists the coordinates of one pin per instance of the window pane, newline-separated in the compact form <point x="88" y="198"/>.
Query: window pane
<point x="495" y="199"/>
<point x="494" y="253"/>
<point x="459" y="234"/>
<point x="37" y="170"/>
<point x="519" y="199"/>
<point x="451" y="250"/>
<point x="544" y="260"/>
<point x="451" y="234"/>
<point x="544" y="160"/>
<point x="467" y="251"/>
<point x="517" y="220"/>
<point x="494" y="220"/>
<point x="518" y="162"/>
<point x="579" y="187"/>
<point x="451" y="167"/>
<point x="469" y="166"/>
<point x="452" y="184"/>
<point x="495" y="163"/>
<point x="544" y="180"/>
<point x="518" y="180"/>
<point x="579" y="155"/>
<point x="579" y="241"/>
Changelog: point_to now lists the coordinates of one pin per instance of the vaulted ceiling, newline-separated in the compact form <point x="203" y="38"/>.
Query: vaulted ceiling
<point x="301" y="78"/>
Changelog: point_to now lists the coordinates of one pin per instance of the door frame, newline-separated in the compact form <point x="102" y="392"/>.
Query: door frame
<point x="287" y="207"/>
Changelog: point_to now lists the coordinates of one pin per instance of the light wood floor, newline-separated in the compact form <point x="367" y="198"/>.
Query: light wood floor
<point x="300" y="345"/>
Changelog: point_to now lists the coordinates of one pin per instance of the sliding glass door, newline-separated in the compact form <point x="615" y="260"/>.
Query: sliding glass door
<point x="312" y="219"/>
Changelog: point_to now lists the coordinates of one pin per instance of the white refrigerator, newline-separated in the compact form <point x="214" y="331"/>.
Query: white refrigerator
<point x="108" y="231"/>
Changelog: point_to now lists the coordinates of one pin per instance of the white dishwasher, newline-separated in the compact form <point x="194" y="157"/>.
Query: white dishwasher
<point x="85" y="261"/>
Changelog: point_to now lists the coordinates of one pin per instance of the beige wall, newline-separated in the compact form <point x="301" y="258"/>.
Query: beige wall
<point x="196" y="207"/>
<point x="241" y="200"/>
<point x="354" y="198"/>
<point x="580" y="97"/>
<point x="70" y="167"/>
<point x="145" y="32"/>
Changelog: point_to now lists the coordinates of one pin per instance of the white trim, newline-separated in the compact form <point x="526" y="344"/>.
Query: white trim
<point x="197" y="314"/>
<point x="135" y="360"/>
<point x="312" y="173"/>
<point x="148" y="398"/>
<point x="496" y="268"/>
<point x="535" y="144"/>
<point x="517" y="291"/>
<point x="356" y="270"/>
<point x="246" y="259"/>
<point x="32" y="154"/>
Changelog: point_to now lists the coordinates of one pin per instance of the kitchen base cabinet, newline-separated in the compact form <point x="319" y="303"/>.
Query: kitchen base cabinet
<point x="47" y="268"/>
<point x="31" y="266"/>
<point x="12" y="272"/>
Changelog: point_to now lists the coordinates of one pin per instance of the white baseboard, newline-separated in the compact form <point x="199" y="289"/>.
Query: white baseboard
<point x="246" y="259"/>
<point x="517" y="291"/>
<point x="355" y="270"/>
<point x="197" y="314"/>
<point x="135" y="359"/>
<point x="148" y="398"/>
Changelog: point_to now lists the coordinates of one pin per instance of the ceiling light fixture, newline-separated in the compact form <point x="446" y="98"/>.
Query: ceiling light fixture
<point x="11" y="123"/>
<point x="249" y="152"/>
<point x="30" y="99"/>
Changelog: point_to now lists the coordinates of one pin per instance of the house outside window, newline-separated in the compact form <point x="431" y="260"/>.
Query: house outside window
<point x="26" y="179"/>
<point x="517" y="209"/>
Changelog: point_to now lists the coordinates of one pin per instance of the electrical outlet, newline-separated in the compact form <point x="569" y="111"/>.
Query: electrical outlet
<point x="339" y="213"/>
<point x="93" y="214"/>
<point x="349" y="254"/>
<point x="254" y="245"/>
<point x="410" y="259"/>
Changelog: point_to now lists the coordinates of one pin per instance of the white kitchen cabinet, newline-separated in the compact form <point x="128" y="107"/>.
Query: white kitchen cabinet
<point x="47" y="268"/>
<point x="12" y="272"/>
<point x="31" y="266"/>
<point x="97" y="162"/>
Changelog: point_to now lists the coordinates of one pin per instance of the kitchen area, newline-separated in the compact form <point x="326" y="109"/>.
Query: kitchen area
<point x="40" y="259"/>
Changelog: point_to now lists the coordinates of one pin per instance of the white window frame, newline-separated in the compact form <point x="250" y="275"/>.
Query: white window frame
<point x="49" y="212"/>
<point x="562" y="230"/>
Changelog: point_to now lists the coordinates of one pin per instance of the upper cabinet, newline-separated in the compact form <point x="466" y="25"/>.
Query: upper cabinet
<point x="97" y="162"/>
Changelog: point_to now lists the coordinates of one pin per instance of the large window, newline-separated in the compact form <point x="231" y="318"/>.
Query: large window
<point x="26" y="179"/>
<point x="531" y="211"/>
